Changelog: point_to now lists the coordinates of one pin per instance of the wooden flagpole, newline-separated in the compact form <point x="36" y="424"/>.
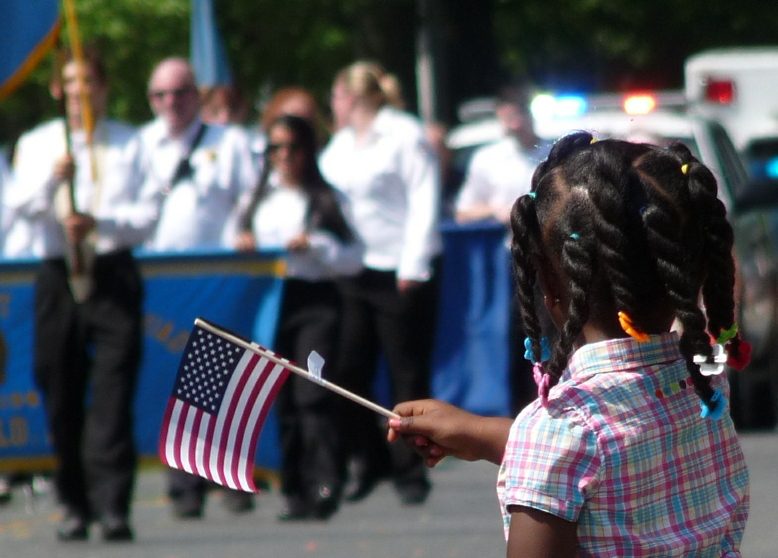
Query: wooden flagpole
<point x="296" y="369"/>
<point x="78" y="274"/>
<point x="74" y="35"/>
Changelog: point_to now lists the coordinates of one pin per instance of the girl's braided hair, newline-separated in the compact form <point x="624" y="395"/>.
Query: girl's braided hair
<point x="630" y="227"/>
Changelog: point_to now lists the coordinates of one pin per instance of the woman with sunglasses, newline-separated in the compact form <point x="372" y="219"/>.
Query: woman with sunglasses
<point x="294" y="208"/>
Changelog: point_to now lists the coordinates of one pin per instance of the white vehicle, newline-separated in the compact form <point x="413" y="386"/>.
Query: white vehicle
<point x="739" y="88"/>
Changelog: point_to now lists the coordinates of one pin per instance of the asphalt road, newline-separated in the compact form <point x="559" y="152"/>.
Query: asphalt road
<point x="460" y="520"/>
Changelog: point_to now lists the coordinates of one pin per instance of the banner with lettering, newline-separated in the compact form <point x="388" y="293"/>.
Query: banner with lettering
<point x="240" y="292"/>
<point x="243" y="293"/>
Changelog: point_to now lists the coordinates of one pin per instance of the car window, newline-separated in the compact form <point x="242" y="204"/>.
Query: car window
<point x="761" y="159"/>
<point x="731" y="165"/>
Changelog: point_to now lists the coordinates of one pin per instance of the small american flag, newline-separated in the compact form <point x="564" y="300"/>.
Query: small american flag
<point x="221" y="397"/>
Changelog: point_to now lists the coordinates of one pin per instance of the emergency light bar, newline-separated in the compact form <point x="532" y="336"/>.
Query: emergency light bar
<point x="719" y="91"/>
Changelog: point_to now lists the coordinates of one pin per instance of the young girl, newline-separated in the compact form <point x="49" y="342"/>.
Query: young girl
<point x="295" y="209"/>
<point x="629" y="449"/>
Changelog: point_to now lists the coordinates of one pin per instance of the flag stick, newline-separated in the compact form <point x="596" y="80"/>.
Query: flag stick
<point x="296" y="369"/>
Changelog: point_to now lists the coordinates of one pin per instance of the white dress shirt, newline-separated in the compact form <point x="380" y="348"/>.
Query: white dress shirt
<point x="198" y="211"/>
<point x="497" y="174"/>
<point x="280" y="217"/>
<point x="393" y="185"/>
<point x="108" y="186"/>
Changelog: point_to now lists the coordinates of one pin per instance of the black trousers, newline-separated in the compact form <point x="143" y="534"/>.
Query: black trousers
<point x="379" y="320"/>
<point x="87" y="358"/>
<point x="311" y="455"/>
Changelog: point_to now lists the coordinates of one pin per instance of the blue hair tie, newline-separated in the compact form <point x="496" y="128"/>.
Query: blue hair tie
<point x="575" y="236"/>
<point x="545" y="349"/>
<point x="533" y="195"/>
<point x="715" y="409"/>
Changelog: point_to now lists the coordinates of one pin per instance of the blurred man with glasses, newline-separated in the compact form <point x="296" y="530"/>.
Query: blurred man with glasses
<point x="199" y="171"/>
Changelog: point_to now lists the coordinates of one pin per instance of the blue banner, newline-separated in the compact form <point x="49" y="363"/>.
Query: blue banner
<point x="470" y="365"/>
<point x="239" y="292"/>
<point x="243" y="293"/>
<point x="27" y="31"/>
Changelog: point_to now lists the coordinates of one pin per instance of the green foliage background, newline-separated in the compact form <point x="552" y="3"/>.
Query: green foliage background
<point x="584" y="45"/>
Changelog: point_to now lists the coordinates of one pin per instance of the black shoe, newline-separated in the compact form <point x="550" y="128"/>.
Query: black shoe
<point x="295" y="509"/>
<point x="237" y="501"/>
<point x="116" y="529"/>
<point x="74" y="527"/>
<point x="325" y="502"/>
<point x="413" y="493"/>
<point x="187" y="506"/>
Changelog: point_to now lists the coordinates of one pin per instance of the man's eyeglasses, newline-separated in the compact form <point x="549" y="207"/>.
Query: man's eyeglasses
<point x="178" y="93"/>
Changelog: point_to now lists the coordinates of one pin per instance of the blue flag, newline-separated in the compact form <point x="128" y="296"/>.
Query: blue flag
<point x="27" y="31"/>
<point x="207" y="48"/>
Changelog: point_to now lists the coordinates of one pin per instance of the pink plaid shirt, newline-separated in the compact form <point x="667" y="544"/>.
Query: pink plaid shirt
<point x="622" y="451"/>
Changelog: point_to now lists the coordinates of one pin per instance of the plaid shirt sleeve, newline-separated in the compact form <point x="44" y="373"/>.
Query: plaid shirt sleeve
<point x="551" y="463"/>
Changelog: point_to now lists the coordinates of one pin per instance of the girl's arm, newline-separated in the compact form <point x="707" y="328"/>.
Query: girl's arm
<point x="537" y="534"/>
<point x="436" y="429"/>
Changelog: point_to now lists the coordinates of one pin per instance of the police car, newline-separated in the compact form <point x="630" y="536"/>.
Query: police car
<point x="661" y="118"/>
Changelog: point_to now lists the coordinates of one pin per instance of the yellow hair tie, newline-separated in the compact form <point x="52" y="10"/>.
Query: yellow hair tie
<point x="629" y="328"/>
<point x="593" y="141"/>
<point x="685" y="168"/>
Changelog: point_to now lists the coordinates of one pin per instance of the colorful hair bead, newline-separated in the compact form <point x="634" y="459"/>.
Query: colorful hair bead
<point x="727" y="334"/>
<point x="715" y="409"/>
<point x="545" y="349"/>
<point x="543" y="381"/>
<point x="712" y="368"/>
<point x="533" y="195"/>
<point x="574" y="235"/>
<point x="738" y="358"/>
<point x="685" y="168"/>
<point x="629" y="328"/>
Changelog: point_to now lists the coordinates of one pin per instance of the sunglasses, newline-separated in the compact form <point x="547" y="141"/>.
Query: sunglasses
<point x="178" y="93"/>
<point x="291" y="146"/>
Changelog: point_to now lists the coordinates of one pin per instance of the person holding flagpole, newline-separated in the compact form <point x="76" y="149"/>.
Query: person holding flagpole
<point x="87" y="342"/>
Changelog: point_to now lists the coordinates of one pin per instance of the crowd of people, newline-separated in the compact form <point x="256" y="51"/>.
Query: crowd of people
<point x="357" y="206"/>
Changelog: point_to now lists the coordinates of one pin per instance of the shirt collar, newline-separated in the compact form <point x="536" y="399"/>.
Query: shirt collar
<point x="184" y="139"/>
<point x="623" y="354"/>
<point x="78" y="136"/>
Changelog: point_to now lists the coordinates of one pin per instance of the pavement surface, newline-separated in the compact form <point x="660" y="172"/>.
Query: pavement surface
<point x="460" y="520"/>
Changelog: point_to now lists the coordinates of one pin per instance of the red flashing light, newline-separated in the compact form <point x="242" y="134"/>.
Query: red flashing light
<point x="639" y="104"/>
<point x="720" y="91"/>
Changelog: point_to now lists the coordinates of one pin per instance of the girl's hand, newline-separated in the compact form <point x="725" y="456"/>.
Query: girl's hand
<point x="436" y="429"/>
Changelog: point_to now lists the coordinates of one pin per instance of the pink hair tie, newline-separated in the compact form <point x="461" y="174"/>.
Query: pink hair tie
<point x="543" y="381"/>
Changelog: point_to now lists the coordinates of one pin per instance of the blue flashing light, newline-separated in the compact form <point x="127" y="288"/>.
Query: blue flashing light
<point x="547" y="106"/>
<point x="570" y="105"/>
<point x="771" y="168"/>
